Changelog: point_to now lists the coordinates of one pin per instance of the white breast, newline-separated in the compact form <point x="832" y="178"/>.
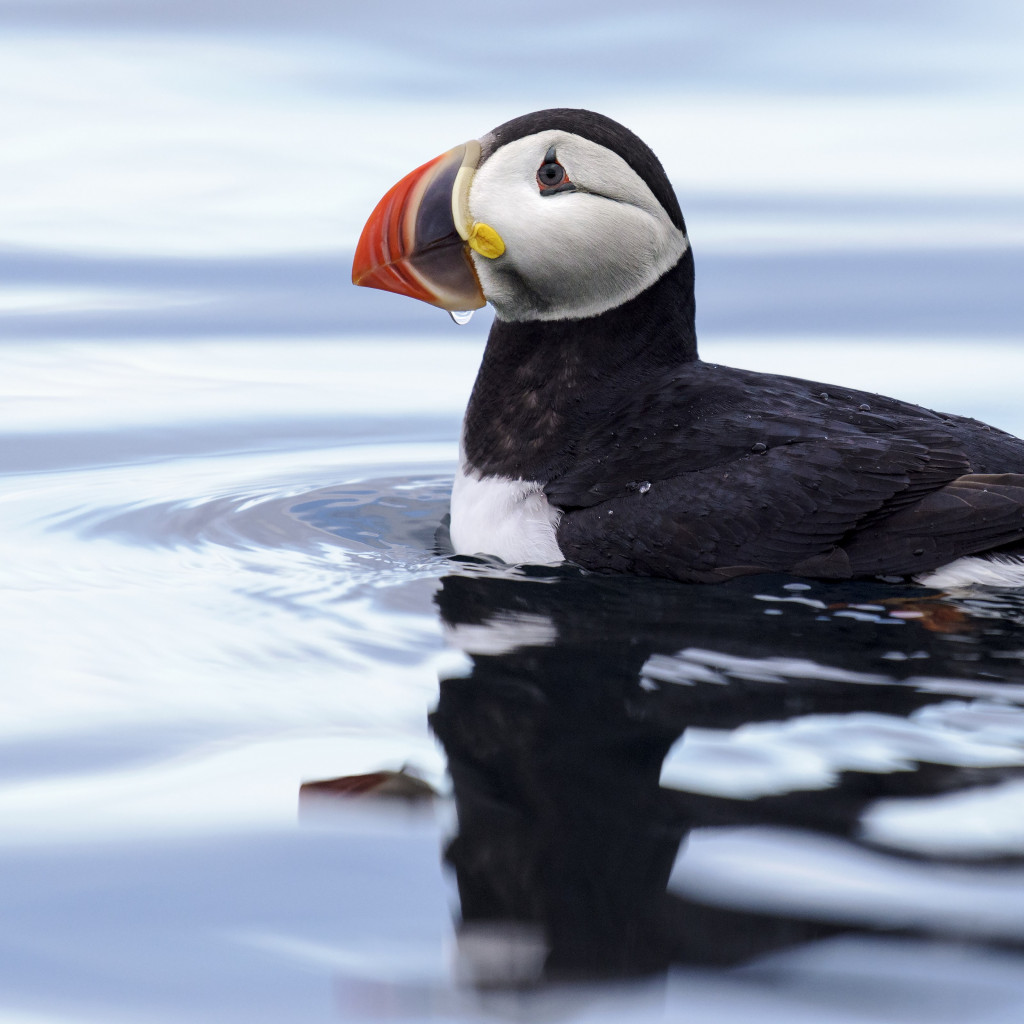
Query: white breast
<point x="512" y="519"/>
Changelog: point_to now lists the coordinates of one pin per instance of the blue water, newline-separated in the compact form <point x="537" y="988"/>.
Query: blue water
<point x="223" y="475"/>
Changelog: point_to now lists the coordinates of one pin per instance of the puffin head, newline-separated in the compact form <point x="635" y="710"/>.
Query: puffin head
<point x="560" y="214"/>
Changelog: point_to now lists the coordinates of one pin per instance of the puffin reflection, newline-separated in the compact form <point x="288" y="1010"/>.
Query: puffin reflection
<point x="570" y="824"/>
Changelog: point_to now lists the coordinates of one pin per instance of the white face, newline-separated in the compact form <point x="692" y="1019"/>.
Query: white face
<point x="569" y="254"/>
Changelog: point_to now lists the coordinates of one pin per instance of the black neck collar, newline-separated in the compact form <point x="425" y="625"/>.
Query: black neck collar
<point x="542" y="383"/>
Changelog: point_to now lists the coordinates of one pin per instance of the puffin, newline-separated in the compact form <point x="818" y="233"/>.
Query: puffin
<point x="595" y="434"/>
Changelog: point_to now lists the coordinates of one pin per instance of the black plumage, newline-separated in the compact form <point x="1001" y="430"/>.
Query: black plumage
<point x="665" y="465"/>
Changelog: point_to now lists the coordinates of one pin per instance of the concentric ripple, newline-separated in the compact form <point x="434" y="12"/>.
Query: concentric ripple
<point x="394" y="515"/>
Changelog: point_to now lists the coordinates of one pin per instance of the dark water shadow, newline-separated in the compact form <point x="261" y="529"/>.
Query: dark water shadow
<point x="580" y="685"/>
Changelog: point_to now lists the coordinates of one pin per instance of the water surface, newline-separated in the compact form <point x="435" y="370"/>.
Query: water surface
<point x="224" y="478"/>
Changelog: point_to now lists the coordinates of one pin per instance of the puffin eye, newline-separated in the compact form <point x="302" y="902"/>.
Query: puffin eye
<point x="551" y="176"/>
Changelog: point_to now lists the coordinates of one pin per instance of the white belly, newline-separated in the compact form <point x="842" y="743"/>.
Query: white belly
<point x="996" y="571"/>
<point x="512" y="519"/>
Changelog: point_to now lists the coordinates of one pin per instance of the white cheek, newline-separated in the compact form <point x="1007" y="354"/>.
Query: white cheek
<point x="593" y="256"/>
<point x="609" y="243"/>
<point x="572" y="254"/>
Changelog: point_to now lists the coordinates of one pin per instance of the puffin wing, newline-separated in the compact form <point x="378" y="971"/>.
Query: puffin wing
<point x="976" y="512"/>
<point x="831" y="507"/>
<point x="702" y="415"/>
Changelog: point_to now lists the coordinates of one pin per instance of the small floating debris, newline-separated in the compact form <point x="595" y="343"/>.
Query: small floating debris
<point x="387" y="785"/>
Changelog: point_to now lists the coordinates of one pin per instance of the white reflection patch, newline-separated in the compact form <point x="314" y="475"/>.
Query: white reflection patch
<point x="697" y="665"/>
<point x="503" y="634"/>
<point x="777" y="869"/>
<point x="807" y="753"/>
<point x="988" y="823"/>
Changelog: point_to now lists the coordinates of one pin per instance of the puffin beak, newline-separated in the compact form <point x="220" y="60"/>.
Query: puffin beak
<point x="417" y="240"/>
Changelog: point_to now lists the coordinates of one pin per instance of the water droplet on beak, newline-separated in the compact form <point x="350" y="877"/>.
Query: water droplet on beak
<point x="461" y="316"/>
